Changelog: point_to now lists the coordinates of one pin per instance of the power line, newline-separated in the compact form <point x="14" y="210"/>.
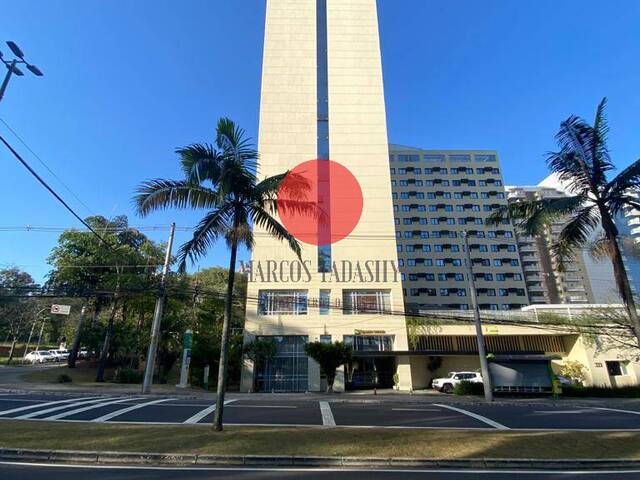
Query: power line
<point x="51" y="190"/>
<point x="21" y="140"/>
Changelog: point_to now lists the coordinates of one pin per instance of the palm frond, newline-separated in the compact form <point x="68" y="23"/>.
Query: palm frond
<point x="533" y="217"/>
<point x="624" y="188"/>
<point x="600" y="248"/>
<point x="262" y="218"/>
<point x="213" y="225"/>
<point x="575" y="233"/>
<point x="200" y="161"/>
<point x="230" y="138"/>
<point x="161" y="194"/>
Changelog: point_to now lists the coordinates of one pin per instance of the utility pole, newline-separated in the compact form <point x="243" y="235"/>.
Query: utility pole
<point x="41" y="331"/>
<point x="157" y="318"/>
<point x="482" y="350"/>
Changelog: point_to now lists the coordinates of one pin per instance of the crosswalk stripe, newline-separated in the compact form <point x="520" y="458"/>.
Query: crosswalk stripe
<point x="82" y="402"/>
<point x="47" y="404"/>
<point x="327" y="415"/>
<point x="203" y="413"/>
<point x="122" y="411"/>
<point x="90" y="407"/>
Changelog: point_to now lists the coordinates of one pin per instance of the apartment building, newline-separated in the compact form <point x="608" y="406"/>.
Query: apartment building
<point x="545" y="283"/>
<point x="437" y="195"/>
<point x="323" y="99"/>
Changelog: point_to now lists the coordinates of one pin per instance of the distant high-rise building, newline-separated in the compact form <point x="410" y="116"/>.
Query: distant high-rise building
<point x="437" y="195"/>
<point x="545" y="283"/>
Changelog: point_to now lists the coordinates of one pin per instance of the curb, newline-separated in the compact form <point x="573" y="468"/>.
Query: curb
<point x="169" y="459"/>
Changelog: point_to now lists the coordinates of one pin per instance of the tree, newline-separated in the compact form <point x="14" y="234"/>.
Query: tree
<point x="259" y="352"/>
<point x="329" y="356"/>
<point x="582" y="164"/>
<point x="15" y="288"/>
<point x="222" y="180"/>
<point x="85" y="266"/>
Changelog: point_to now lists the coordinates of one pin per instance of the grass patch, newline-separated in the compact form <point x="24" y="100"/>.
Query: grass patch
<point x="452" y="444"/>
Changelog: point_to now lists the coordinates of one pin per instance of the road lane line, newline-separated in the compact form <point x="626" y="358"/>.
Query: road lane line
<point x="632" y="412"/>
<point x="122" y="411"/>
<point x="415" y="410"/>
<point x="262" y="406"/>
<point x="561" y="412"/>
<point x="80" y="403"/>
<point x="486" y="420"/>
<point x="203" y="413"/>
<point x="30" y="407"/>
<point x="90" y="407"/>
<point x="327" y="415"/>
<point x="340" y="470"/>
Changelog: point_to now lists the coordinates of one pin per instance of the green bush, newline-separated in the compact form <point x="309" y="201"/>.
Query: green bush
<point x="64" y="378"/>
<point x="624" y="392"/>
<point x="127" y="375"/>
<point x="468" y="388"/>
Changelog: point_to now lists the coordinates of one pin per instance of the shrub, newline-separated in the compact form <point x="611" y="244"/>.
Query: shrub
<point x="468" y="388"/>
<point x="624" y="392"/>
<point x="64" y="378"/>
<point x="127" y="375"/>
<point x="574" y="370"/>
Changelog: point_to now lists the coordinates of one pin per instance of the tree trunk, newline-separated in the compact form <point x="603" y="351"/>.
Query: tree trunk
<point x="104" y="353"/>
<point x="620" y="274"/>
<point x="330" y="381"/>
<point x="73" y="355"/>
<point x="224" y="348"/>
<point x="13" y="347"/>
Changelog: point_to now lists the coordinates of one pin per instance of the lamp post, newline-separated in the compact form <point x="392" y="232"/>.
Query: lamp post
<point x="12" y="66"/>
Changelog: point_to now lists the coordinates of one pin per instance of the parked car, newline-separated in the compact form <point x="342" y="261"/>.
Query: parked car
<point x="448" y="383"/>
<point x="39" y="356"/>
<point x="84" y="353"/>
<point x="565" y="381"/>
<point x="59" y="355"/>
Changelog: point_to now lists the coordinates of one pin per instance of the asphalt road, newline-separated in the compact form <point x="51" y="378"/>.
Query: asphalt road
<point x="47" y="472"/>
<point x="273" y="411"/>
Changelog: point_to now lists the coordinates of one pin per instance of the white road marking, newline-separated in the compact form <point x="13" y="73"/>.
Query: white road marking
<point x="46" y="404"/>
<point x="326" y="470"/>
<point x="632" y="412"/>
<point x="80" y="403"/>
<point x="486" y="420"/>
<point x="90" y="407"/>
<point x="416" y="410"/>
<point x="262" y="406"/>
<point x="327" y="415"/>
<point x="560" y="412"/>
<point x="122" y="411"/>
<point x="203" y="413"/>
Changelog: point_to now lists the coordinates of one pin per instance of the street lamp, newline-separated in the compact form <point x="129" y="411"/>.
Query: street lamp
<point x="12" y="66"/>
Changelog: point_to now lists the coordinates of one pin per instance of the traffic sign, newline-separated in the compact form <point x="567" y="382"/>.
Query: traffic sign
<point x="60" y="309"/>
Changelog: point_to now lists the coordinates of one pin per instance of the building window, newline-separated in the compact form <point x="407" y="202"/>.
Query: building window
<point x="433" y="158"/>
<point x="282" y="302"/>
<point x="370" y="343"/>
<point x="459" y="158"/>
<point x="325" y="339"/>
<point x="325" y="303"/>
<point x="362" y="302"/>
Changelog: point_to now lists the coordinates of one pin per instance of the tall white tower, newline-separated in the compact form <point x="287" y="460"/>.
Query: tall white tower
<point x="323" y="98"/>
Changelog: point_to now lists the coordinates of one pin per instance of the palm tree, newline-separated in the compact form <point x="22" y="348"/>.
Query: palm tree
<point x="582" y="164"/>
<point x="221" y="179"/>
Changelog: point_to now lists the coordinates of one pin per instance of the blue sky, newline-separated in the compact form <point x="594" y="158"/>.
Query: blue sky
<point x="126" y="82"/>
